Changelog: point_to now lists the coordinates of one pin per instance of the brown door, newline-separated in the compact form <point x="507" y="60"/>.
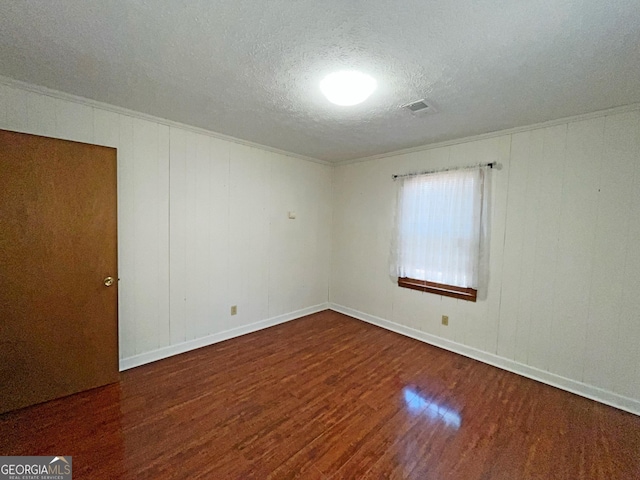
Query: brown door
<point x="58" y="244"/>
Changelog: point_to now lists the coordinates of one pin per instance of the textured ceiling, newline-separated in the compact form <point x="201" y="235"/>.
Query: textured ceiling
<point x="250" y="69"/>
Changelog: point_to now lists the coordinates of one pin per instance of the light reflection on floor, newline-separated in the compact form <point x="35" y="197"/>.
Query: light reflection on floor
<point x="418" y="404"/>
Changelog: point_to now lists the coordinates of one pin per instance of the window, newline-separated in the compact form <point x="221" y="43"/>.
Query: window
<point x="441" y="232"/>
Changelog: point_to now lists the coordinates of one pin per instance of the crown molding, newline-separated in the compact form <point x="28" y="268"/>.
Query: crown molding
<point x="498" y="133"/>
<point x="11" y="82"/>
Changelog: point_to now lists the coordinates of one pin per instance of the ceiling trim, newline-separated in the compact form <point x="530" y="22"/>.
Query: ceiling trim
<point x="11" y="82"/>
<point x="483" y="136"/>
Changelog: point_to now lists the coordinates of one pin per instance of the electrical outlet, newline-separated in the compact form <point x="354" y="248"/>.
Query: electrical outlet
<point x="234" y="309"/>
<point x="445" y="320"/>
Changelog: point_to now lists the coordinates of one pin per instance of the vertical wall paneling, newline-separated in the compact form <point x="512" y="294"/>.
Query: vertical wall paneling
<point x="163" y="325"/>
<point x="150" y="242"/>
<point x="519" y="244"/>
<point x="550" y="167"/>
<point x="627" y="358"/>
<point x="296" y="243"/>
<point x="202" y="226"/>
<point x="126" y="239"/>
<point x="529" y="240"/>
<point x="367" y="220"/>
<point x="564" y="268"/>
<point x="177" y="234"/>
<point x="4" y="106"/>
<point x="15" y="109"/>
<point x="106" y="126"/>
<point x="218" y="243"/>
<point x="74" y="121"/>
<point x="146" y="232"/>
<point x="197" y="225"/>
<point x="192" y="296"/>
<point x="614" y="196"/>
<point x="498" y="150"/>
<point x="41" y="114"/>
<point x="194" y="232"/>
<point x="206" y="326"/>
<point x="248" y="233"/>
<point x="610" y="256"/>
<point x="323" y="181"/>
<point x="513" y="240"/>
<point x="284" y="198"/>
<point x="576" y="240"/>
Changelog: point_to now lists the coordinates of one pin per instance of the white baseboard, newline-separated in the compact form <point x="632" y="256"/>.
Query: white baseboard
<point x="589" y="391"/>
<point x="169" y="351"/>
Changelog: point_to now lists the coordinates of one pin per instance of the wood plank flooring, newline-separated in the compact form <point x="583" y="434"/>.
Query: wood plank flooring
<point x="327" y="396"/>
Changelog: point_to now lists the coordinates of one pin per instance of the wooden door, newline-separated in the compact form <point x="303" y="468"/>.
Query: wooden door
<point x="58" y="243"/>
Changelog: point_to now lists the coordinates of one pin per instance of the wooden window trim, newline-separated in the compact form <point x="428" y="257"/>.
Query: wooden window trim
<point x="462" y="293"/>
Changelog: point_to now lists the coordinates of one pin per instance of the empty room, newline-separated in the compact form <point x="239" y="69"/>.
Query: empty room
<point x="340" y="239"/>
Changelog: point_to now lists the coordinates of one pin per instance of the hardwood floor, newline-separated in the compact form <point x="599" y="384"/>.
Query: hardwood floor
<point x="327" y="396"/>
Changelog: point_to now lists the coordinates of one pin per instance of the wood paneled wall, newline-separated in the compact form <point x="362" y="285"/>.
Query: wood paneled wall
<point x="202" y="223"/>
<point x="565" y="252"/>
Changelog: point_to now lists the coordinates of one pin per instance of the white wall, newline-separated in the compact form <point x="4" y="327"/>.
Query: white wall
<point x="563" y="303"/>
<point x="202" y="225"/>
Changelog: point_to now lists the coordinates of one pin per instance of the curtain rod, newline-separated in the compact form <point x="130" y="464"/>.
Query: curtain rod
<point x="427" y="172"/>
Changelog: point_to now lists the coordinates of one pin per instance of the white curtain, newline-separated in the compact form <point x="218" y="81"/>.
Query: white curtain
<point x="441" y="228"/>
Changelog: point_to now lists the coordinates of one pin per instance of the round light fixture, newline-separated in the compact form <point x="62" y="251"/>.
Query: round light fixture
<point x="347" y="87"/>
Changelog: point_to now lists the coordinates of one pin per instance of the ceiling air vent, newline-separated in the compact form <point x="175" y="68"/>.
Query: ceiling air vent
<point x="419" y="106"/>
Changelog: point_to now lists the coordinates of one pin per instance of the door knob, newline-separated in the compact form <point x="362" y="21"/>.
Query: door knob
<point x="108" y="281"/>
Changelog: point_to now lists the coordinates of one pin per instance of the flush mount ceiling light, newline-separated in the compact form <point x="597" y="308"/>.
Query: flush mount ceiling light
<point x="347" y="87"/>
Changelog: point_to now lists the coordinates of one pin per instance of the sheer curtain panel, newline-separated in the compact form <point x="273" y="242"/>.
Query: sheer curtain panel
<point x="441" y="232"/>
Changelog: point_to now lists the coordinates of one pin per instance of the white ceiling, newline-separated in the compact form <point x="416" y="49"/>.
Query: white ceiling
<point x="250" y="69"/>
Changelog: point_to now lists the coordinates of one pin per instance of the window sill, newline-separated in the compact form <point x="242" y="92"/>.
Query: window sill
<point x="461" y="293"/>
